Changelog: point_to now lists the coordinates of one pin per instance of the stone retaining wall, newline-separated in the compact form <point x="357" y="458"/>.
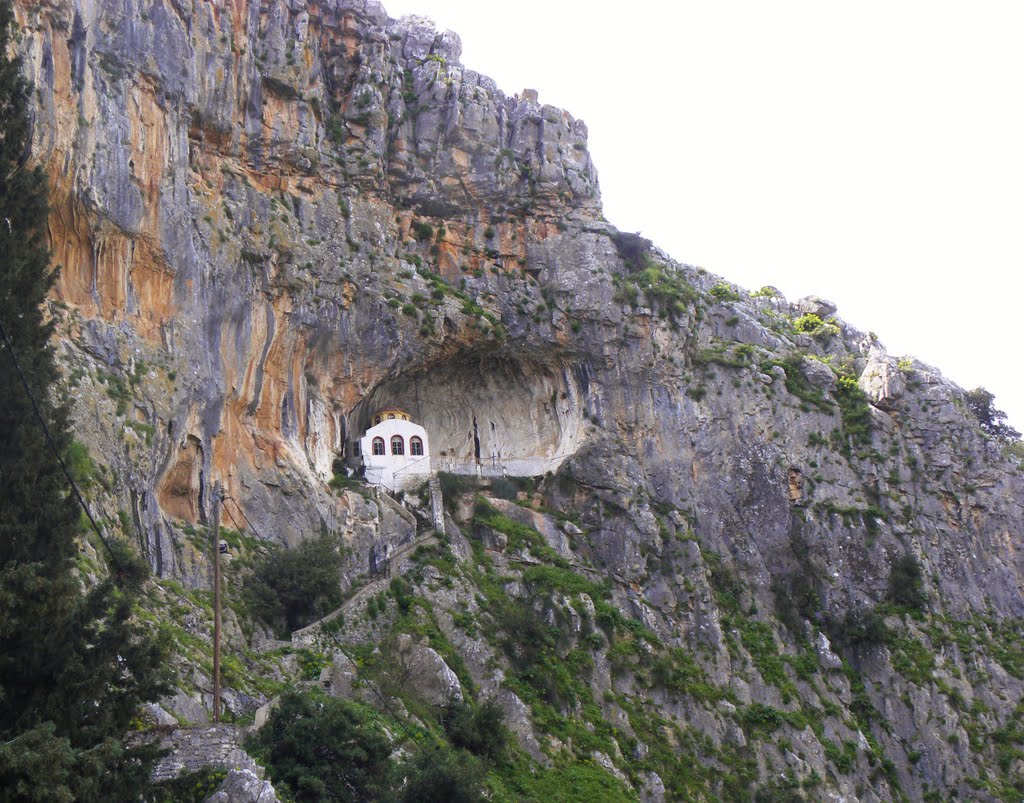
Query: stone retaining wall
<point x="195" y="748"/>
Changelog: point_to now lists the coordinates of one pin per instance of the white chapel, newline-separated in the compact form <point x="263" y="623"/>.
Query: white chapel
<point x="396" y="452"/>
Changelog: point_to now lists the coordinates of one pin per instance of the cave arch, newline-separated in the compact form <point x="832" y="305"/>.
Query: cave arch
<point x="533" y="405"/>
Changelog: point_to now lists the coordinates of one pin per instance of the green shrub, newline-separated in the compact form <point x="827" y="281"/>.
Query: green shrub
<point x="117" y="390"/>
<point x="727" y="586"/>
<point x="452" y="487"/>
<point x="527" y="639"/>
<point x="906" y="583"/>
<point x="842" y="757"/>
<point x="911" y="658"/>
<point x="520" y="536"/>
<point x="860" y="627"/>
<point x="577" y="782"/>
<point x="509" y="487"/>
<point x="324" y="749"/>
<point x="677" y="671"/>
<point x="724" y="292"/>
<point x="737" y="357"/>
<point x="80" y="463"/>
<point x="633" y="249"/>
<point x="553" y="578"/>
<point x="191" y="787"/>
<point x="422" y="230"/>
<point x="311" y="663"/>
<point x="797" y="384"/>
<point x="479" y="730"/>
<point x="796" y="596"/>
<point x="808" y="324"/>
<point x="758" y="718"/>
<point x="854" y="409"/>
<point x="665" y="289"/>
<point x="290" y="588"/>
<point x="444" y="776"/>
<point x="342" y="482"/>
<point x="402" y="592"/>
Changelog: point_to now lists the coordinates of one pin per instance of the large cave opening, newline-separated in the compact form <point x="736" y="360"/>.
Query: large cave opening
<point x="488" y="414"/>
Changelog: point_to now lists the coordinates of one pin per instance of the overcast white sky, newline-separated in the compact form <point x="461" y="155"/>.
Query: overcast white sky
<point x="871" y="153"/>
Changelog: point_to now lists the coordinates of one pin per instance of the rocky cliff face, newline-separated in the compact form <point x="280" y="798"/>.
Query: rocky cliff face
<point x="272" y="219"/>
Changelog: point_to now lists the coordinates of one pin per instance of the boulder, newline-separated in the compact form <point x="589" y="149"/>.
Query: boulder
<point x="432" y="680"/>
<point x="826" y="657"/>
<point x="159" y="716"/>
<point x="185" y="707"/>
<point x="653" y="788"/>
<point x="819" y="374"/>
<point x="517" y="720"/>
<point x="244" y="786"/>
<point x="815" y="305"/>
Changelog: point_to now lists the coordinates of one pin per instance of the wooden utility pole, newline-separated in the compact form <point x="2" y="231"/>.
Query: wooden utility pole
<point x="216" y="602"/>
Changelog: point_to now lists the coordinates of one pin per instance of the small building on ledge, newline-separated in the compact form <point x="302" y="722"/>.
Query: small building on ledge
<point x="395" y="451"/>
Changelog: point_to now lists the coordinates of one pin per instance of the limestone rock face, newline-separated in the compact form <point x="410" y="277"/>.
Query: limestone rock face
<point x="883" y="382"/>
<point x="275" y="218"/>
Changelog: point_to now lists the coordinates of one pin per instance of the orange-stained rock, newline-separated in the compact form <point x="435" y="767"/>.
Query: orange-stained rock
<point x="179" y="490"/>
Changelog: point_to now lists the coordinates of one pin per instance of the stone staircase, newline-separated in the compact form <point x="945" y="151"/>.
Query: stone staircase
<point x="307" y="635"/>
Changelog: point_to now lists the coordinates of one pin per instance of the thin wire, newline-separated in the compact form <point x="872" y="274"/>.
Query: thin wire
<point x="239" y="507"/>
<point x="259" y="546"/>
<point x="55" y="451"/>
<point x="233" y="519"/>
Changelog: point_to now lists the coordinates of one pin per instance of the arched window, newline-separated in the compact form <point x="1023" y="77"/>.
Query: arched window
<point x="397" y="445"/>
<point x="405" y="418"/>
<point x="415" y="445"/>
<point x="391" y="416"/>
<point x="378" y="446"/>
<point x="376" y="420"/>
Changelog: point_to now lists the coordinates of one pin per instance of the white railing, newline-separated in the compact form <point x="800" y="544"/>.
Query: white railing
<point x="500" y="467"/>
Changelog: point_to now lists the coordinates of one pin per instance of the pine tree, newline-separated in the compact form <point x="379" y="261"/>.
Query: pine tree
<point x="993" y="422"/>
<point x="74" y="667"/>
